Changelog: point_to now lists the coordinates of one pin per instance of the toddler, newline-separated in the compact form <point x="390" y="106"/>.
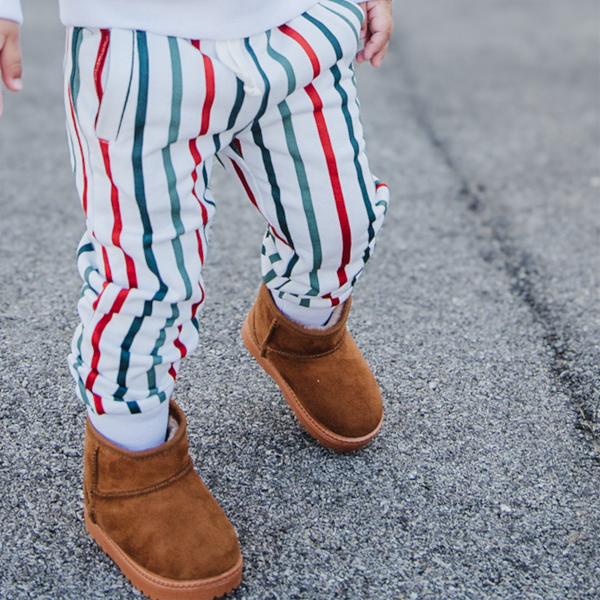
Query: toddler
<point x="154" y="93"/>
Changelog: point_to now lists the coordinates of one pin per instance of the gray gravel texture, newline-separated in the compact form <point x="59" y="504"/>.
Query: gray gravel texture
<point x="479" y="314"/>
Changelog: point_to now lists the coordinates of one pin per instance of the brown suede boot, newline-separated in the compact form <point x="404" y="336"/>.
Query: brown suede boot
<point x="151" y="513"/>
<point x="321" y="372"/>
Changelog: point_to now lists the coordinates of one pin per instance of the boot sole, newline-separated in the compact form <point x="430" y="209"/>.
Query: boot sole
<point x="160" y="588"/>
<point x="313" y="427"/>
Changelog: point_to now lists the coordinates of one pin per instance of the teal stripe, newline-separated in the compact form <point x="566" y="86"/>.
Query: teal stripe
<point x="133" y="407"/>
<point x="292" y="144"/>
<point x="126" y="350"/>
<point x="158" y="345"/>
<point x="176" y="98"/>
<point x="354" y="142"/>
<point x="205" y="179"/>
<point x="266" y="155"/>
<point x="337" y="76"/>
<point x="291" y="265"/>
<point x="269" y="276"/>
<point x="137" y="162"/>
<point x="305" y="194"/>
<point x="75" y="80"/>
<point x="265" y="100"/>
<point x="237" y="106"/>
<point x="284" y="62"/>
<point x="350" y="24"/>
<point x="85" y="248"/>
<point x="330" y="37"/>
<point x="350" y="6"/>
<point x="275" y="189"/>
<point x="82" y="390"/>
<point x="138" y="174"/>
<point x="74" y="84"/>
<point x="128" y="87"/>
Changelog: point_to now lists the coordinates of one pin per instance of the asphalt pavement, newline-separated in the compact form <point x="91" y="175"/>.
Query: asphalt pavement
<point x="479" y="313"/>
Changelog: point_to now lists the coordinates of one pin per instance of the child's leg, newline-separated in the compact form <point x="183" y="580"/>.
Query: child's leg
<point x="304" y="163"/>
<point x="305" y="166"/>
<point x="143" y="188"/>
<point x="142" y="162"/>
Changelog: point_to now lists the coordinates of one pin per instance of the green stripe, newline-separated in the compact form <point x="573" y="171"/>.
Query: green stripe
<point x="82" y="391"/>
<point x="133" y="407"/>
<point x="176" y="97"/>
<point x="330" y="37"/>
<point x="205" y="179"/>
<point x="138" y="174"/>
<point x="74" y="85"/>
<point x="126" y="350"/>
<point x="137" y="162"/>
<point x="275" y="189"/>
<point x="291" y="265"/>
<point x="239" y="100"/>
<point x="85" y="248"/>
<point x="269" y="276"/>
<point x="266" y="155"/>
<point x="284" y="62"/>
<point x="305" y="194"/>
<point x="265" y="100"/>
<point x="128" y="87"/>
<point x="75" y="80"/>
<point x="350" y="6"/>
<point x="337" y="76"/>
<point x="158" y="345"/>
<point x="292" y="144"/>
<point x="359" y="171"/>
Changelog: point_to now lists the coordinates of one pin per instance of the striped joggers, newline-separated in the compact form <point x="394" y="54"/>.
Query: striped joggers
<point x="146" y="116"/>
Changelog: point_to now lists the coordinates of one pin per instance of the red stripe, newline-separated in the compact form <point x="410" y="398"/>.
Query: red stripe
<point x="99" y="66"/>
<point x="200" y="247"/>
<point x="238" y="146"/>
<point x="97" y="300"/>
<point x="98" y="404"/>
<point x="197" y="160"/>
<point x="83" y="172"/>
<point x="334" y="301"/>
<point x="279" y="237"/>
<point x="197" y="304"/>
<point x="209" y="75"/>
<point x="314" y="61"/>
<point x="96" y="336"/>
<point x="335" y="180"/>
<point x="107" y="271"/>
<point x="118" y="222"/>
<point x="244" y="182"/>
<point x="179" y="345"/>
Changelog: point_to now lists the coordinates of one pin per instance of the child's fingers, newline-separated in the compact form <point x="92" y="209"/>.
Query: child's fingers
<point x="10" y="61"/>
<point x="378" y="56"/>
<point x="364" y="27"/>
<point x="10" y="57"/>
<point x="379" y="24"/>
<point x="376" y="47"/>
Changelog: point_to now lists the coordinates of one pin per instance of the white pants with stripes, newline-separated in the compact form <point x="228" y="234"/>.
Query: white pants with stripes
<point x="147" y="115"/>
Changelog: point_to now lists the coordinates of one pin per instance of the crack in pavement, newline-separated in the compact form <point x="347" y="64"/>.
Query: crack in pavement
<point x="573" y="377"/>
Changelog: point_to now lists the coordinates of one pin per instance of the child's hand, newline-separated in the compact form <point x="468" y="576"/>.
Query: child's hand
<point x="10" y="56"/>
<point x="376" y="31"/>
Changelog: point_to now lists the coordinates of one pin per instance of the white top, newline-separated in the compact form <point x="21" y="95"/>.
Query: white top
<point x="194" y="19"/>
<point x="11" y="9"/>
